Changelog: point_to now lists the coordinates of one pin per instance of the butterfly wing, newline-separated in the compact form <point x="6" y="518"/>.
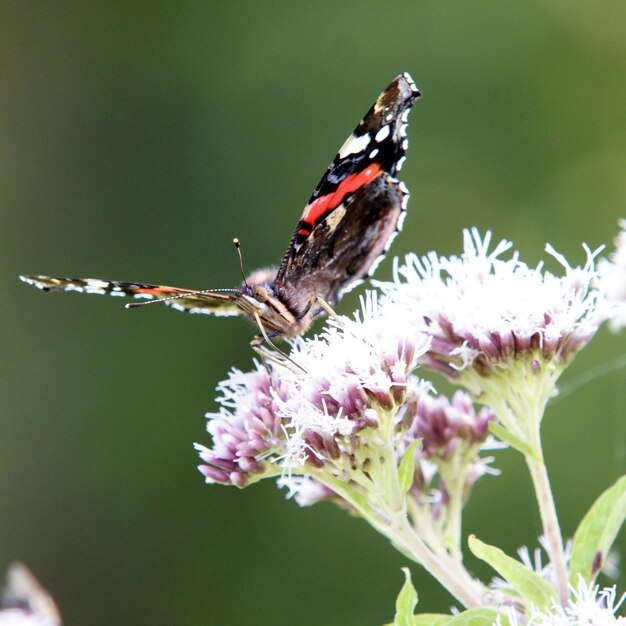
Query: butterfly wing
<point x="357" y="207"/>
<point x="340" y="254"/>
<point x="206" y="302"/>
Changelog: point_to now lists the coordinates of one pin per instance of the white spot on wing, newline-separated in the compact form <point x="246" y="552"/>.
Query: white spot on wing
<point x="382" y="134"/>
<point x="400" y="163"/>
<point x="410" y="82"/>
<point x="350" y="287"/>
<point x="401" y="219"/>
<point x="354" y="145"/>
<point x="388" y="244"/>
<point x="202" y="310"/>
<point x="90" y="287"/>
<point x="405" y="144"/>
<point x="373" y="153"/>
<point x="377" y="261"/>
<point x="96" y="283"/>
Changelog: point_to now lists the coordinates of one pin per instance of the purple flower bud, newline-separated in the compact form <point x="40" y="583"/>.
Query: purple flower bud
<point x="443" y="425"/>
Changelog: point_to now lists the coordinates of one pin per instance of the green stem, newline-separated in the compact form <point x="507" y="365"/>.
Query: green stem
<point x="549" y="519"/>
<point x="449" y="572"/>
<point x="452" y="532"/>
<point x="523" y="406"/>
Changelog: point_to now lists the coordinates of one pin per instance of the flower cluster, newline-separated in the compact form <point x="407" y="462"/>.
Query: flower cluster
<point x="500" y="328"/>
<point x="613" y="280"/>
<point x="452" y="436"/>
<point x="442" y="424"/>
<point x="589" y="604"/>
<point x="344" y="417"/>
<point x="25" y="602"/>
<point x="292" y="418"/>
<point x="482" y="311"/>
<point x="248" y="433"/>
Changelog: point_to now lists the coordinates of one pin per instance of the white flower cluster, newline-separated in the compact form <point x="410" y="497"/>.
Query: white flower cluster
<point x="589" y="606"/>
<point x="24" y="602"/>
<point x="344" y="418"/>
<point x="476" y="310"/>
<point x="280" y="417"/>
<point x="613" y="280"/>
<point x="482" y="310"/>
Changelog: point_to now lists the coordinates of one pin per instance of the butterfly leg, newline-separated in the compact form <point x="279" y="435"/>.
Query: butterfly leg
<point x="329" y="309"/>
<point x="261" y="350"/>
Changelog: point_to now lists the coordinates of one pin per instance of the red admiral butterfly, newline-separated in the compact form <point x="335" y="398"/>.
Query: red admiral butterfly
<point x="346" y="228"/>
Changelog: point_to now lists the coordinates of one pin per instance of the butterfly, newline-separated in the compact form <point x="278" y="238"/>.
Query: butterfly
<point x="345" y="230"/>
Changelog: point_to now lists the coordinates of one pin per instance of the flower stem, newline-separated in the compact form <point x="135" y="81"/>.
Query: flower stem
<point x="549" y="519"/>
<point x="521" y="410"/>
<point x="449" y="572"/>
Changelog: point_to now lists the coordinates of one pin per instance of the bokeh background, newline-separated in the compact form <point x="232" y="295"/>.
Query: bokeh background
<point x="136" y="139"/>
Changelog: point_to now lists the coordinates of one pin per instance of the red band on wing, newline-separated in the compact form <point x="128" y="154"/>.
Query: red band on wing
<point x="320" y="207"/>
<point x="159" y="290"/>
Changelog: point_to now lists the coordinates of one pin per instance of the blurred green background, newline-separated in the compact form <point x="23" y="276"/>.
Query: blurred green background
<point x="136" y="139"/>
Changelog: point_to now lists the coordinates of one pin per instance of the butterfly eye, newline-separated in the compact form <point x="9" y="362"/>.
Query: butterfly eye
<point x="260" y="294"/>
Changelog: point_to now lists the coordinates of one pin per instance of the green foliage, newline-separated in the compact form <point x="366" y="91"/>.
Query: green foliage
<point x="530" y="586"/>
<point x="515" y="442"/>
<point x="407" y="466"/>
<point x="478" y="617"/>
<point x="597" y="531"/>
<point x="406" y="601"/>
<point x="431" y="619"/>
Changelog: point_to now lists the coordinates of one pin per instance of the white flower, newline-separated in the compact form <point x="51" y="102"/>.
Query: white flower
<point x="305" y="490"/>
<point x="484" y="311"/>
<point x="353" y="372"/>
<point x="279" y="419"/>
<point x="25" y="602"/>
<point x="20" y="617"/>
<point x="612" y="279"/>
<point x="247" y="431"/>
<point x="589" y="606"/>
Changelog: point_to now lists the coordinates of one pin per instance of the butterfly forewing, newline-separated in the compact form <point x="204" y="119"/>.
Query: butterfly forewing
<point x="345" y="247"/>
<point x="361" y="175"/>
<point x="189" y="300"/>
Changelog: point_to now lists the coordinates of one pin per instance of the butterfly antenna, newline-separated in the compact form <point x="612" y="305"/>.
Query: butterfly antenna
<point x="237" y="245"/>
<point x="136" y="305"/>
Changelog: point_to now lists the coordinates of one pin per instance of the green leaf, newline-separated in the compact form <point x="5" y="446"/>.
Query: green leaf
<point x="478" y="617"/>
<point x="406" y="470"/>
<point x="431" y="619"/>
<point x="597" y="531"/>
<point x="515" y="442"/>
<point x="406" y="602"/>
<point x="530" y="586"/>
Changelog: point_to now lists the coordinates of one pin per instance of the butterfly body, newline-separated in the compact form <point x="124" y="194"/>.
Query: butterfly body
<point x="344" y="231"/>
